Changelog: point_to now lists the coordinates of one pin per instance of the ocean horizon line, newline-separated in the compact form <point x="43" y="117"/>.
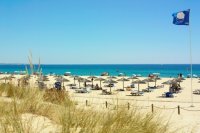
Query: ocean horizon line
<point x="96" y="64"/>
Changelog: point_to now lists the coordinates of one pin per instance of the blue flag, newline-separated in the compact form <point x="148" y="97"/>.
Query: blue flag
<point x="181" y="18"/>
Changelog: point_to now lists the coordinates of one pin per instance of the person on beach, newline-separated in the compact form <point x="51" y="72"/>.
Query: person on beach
<point x="97" y="87"/>
<point x="85" y="84"/>
<point x="92" y="82"/>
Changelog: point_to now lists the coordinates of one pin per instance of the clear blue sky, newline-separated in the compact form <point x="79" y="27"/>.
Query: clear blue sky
<point x="97" y="31"/>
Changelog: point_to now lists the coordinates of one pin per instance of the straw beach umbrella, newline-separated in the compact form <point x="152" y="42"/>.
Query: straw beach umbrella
<point x="64" y="80"/>
<point x="123" y="80"/>
<point x="170" y="82"/>
<point x="79" y="80"/>
<point x="148" y="80"/>
<point x="75" y="77"/>
<point x="100" y="80"/>
<point x="110" y="81"/>
<point x="155" y="79"/>
<point x="139" y="82"/>
<point x="179" y="80"/>
<point x="92" y="79"/>
<point x="112" y="77"/>
<point x="132" y="78"/>
<point x="83" y="80"/>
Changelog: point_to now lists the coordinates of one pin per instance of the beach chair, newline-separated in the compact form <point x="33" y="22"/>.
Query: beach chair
<point x="58" y="85"/>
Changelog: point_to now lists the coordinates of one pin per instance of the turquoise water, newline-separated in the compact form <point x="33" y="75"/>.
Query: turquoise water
<point x="165" y="70"/>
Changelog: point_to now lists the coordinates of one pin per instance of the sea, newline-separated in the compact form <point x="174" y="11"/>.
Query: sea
<point x="165" y="70"/>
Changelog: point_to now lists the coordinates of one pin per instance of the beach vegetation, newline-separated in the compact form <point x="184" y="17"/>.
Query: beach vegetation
<point x="58" y="107"/>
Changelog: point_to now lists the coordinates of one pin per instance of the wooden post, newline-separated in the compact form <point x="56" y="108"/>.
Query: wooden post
<point x="106" y="104"/>
<point x="179" y="112"/>
<point x="152" y="109"/>
<point x="128" y="105"/>
<point x="86" y="102"/>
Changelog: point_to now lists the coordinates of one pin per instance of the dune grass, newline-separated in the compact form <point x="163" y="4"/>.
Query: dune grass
<point x="60" y="109"/>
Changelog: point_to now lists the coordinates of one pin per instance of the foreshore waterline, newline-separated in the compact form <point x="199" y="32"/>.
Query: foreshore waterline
<point x="165" y="70"/>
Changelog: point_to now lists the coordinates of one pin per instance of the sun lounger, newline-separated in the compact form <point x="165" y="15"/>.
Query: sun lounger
<point x="120" y="90"/>
<point x="152" y="87"/>
<point x="83" y="90"/>
<point x="197" y="91"/>
<point x="147" y="90"/>
<point x="160" y="86"/>
<point x="73" y="87"/>
<point x="156" y="87"/>
<point x="105" y="92"/>
<point x="136" y="93"/>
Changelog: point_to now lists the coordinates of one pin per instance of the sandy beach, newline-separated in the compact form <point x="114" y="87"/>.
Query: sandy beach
<point x="188" y="119"/>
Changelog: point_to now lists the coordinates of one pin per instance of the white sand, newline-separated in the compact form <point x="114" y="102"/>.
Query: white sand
<point x="39" y="124"/>
<point x="185" y="122"/>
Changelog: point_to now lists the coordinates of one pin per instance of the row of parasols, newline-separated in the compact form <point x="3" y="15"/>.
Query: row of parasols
<point x="114" y="80"/>
<point x="108" y="80"/>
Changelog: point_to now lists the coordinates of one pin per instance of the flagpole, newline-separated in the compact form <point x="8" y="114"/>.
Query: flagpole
<point x="183" y="18"/>
<point x="191" y="67"/>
